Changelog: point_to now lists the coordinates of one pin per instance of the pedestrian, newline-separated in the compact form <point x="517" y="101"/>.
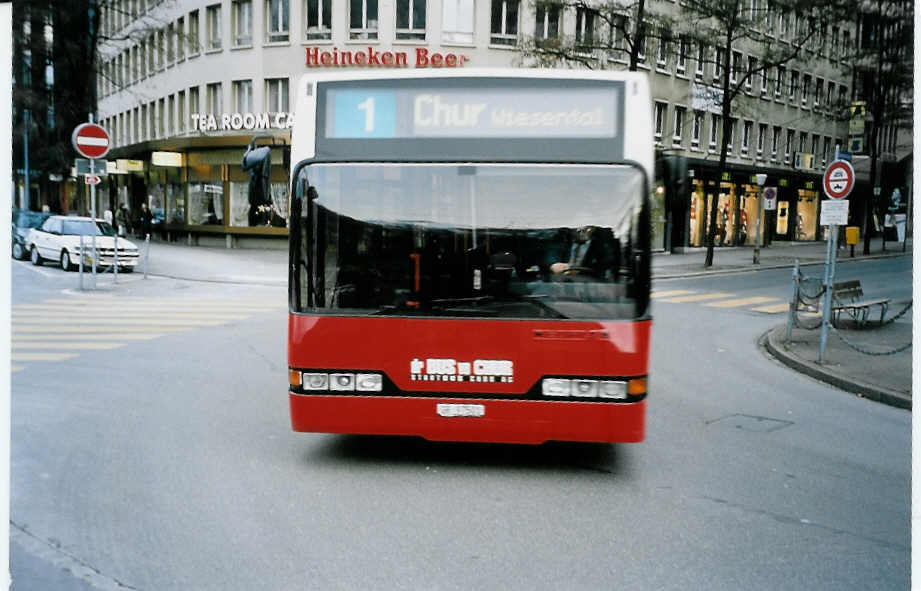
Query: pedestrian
<point x="146" y="219"/>
<point x="122" y="221"/>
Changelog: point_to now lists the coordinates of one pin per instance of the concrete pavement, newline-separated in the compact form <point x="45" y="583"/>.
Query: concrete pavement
<point x="885" y="378"/>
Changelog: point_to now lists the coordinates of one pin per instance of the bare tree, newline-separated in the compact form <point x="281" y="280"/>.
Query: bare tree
<point x="774" y="32"/>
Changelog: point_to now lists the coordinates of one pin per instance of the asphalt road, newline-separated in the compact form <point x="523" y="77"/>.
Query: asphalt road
<point x="168" y="463"/>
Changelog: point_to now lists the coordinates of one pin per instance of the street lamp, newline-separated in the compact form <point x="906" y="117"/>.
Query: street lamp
<point x="756" y="257"/>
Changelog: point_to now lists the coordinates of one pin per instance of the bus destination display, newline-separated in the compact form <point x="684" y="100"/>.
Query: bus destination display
<point x="355" y="112"/>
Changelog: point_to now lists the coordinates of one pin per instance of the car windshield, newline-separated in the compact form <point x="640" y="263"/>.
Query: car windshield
<point x="29" y="219"/>
<point x="87" y="228"/>
<point x="507" y="241"/>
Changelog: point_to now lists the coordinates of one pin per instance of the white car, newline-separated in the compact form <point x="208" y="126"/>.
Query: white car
<point x="58" y="239"/>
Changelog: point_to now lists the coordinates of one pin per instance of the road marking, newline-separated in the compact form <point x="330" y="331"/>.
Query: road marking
<point x="110" y="300"/>
<point x="41" y="329"/>
<point x="698" y="298"/>
<point x="773" y="309"/>
<point x="41" y="356"/>
<point x="20" y="337"/>
<point x="740" y="302"/>
<point x="85" y="315"/>
<point x="665" y="294"/>
<point x="120" y="322"/>
<point x="15" y="368"/>
<point x="69" y="345"/>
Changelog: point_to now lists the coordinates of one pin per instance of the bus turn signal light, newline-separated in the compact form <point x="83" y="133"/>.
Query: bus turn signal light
<point x="636" y="387"/>
<point x="294" y="378"/>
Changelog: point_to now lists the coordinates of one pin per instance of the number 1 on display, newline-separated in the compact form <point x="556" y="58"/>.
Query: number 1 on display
<point x="368" y="107"/>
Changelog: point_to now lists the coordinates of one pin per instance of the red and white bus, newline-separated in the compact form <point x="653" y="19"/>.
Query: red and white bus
<point x="470" y="255"/>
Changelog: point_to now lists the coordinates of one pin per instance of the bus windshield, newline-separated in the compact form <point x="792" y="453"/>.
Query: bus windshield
<point x="464" y="240"/>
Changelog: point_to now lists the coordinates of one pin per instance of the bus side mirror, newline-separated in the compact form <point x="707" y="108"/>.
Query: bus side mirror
<point x="258" y="163"/>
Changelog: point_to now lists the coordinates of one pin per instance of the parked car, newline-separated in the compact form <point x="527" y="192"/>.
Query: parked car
<point x="23" y="221"/>
<point x="58" y="239"/>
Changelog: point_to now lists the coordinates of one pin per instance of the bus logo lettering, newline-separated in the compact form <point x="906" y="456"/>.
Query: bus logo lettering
<point x="451" y="370"/>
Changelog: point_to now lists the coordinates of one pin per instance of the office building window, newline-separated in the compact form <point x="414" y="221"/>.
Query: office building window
<point x="678" y="136"/>
<point x="662" y="48"/>
<point x="362" y="19"/>
<point x="714" y="130"/>
<point x="457" y="21"/>
<point x="660" y="120"/>
<point x="779" y="83"/>
<point x="695" y="129"/>
<point x="547" y="22"/>
<point x="807" y="84"/>
<point x="276" y="21"/>
<point x="788" y="148"/>
<point x="736" y="66"/>
<point x="775" y="142"/>
<point x="803" y="137"/>
<point x="746" y="136"/>
<point x="243" y="96"/>
<point x="764" y="82"/>
<point x="180" y="111"/>
<point x="215" y="99"/>
<point x="151" y="54"/>
<point x="684" y="47"/>
<point x="762" y="133"/>
<point x="276" y="95"/>
<point x="732" y="136"/>
<point x="170" y="114"/>
<point x="826" y="153"/>
<point x="194" y="49"/>
<point x="794" y="84"/>
<point x="317" y="23"/>
<point x="504" y="22"/>
<point x="213" y="16"/>
<point x="242" y="23"/>
<point x="752" y="68"/>
<point x="701" y="59"/>
<point x="410" y="19"/>
<point x="170" y="43"/>
<point x="717" y="63"/>
<point x="819" y="91"/>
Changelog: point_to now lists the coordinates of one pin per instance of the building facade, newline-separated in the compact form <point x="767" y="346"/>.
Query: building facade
<point x="184" y="86"/>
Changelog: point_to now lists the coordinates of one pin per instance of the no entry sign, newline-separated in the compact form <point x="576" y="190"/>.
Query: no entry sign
<point x="91" y="140"/>
<point x="839" y="179"/>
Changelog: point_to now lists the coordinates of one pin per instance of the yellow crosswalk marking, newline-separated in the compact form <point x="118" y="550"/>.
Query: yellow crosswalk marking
<point x="698" y="297"/>
<point x="740" y="302"/>
<point x="108" y="336"/>
<point x="773" y="309"/>
<point x="41" y="356"/>
<point x="68" y="345"/>
<point x="87" y="314"/>
<point x="665" y="294"/>
<point x="43" y="329"/>
<point x="15" y="368"/>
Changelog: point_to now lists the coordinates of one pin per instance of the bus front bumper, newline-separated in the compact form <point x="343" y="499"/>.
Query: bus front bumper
<point x="466" y="419"/>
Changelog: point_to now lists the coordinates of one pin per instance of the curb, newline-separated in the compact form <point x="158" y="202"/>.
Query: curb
<point x="770" y="341"/>
<point x="755" y="269"/>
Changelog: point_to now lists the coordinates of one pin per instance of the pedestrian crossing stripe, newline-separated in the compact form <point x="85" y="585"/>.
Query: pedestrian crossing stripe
<point x="93" y="329"/>
<point x="123" y="323"/>
<point x="41" y="356"/>
<point x="700" y="297"/>
<point x="735" y="303"/>
<point x="15" y="368"/>
<point x="80" y="315"/>
<point x="665" y="294"/>
<point x="107" y="336"/>
<point x="186" y="302"/>
<point x="68" y="345"/>
<point x="773" y="309"/>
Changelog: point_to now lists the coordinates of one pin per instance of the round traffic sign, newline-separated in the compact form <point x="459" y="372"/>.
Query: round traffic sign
<point x="839" y="179"/>
<point x="90" y="140"/>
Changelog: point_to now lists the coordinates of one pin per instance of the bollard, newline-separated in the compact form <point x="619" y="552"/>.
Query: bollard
<point x="794" y="302"/>
<point x="146" y="254"/>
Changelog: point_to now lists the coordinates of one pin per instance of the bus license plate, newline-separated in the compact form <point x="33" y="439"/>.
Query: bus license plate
<point x="461" y="410"/>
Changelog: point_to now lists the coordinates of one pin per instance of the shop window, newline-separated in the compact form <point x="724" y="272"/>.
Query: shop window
<point x="276" y="21"/>
<point x="504" y="23"/>
<point x="547" y="25"/>
<point x="213" y="17"/>
<point x="410" y="19"/>
<point x="276" y="95"/>
<point x="362" y="19"/>
<point x="206" y="195"/>
<point x="271" y="212"/>
<point x="457" y="21"/>
<point x="243" y="96"/>
<point x="242" y="23"/>
<point x="806" y="215"/>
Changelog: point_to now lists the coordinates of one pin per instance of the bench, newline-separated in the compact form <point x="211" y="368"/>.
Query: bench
<point x="846" y="298"/>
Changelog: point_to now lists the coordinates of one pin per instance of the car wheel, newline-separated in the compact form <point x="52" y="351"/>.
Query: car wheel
<point x="35" y="257"/>
<point x="18" y="252"/>
<point x="65" y="261"/>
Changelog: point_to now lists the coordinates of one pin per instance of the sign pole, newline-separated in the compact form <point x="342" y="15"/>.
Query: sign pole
<point x="829" y="278"/>
<point x="837" y="183"/>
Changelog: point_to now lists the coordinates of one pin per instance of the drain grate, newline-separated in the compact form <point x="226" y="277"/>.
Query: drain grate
<point x="752" y="423"/>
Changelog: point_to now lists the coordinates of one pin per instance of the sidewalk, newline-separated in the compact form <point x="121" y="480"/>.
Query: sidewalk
<point x="886" y="378"/>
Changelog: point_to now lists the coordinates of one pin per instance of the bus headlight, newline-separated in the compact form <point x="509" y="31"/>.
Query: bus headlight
<point x="555" y="387"/>
<point x="585" y="388"/>
<point x="315" y="381"/>
<point x="341" y="381"/>
<point x="609" y="389"/>
<point x="368" y="382"/>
